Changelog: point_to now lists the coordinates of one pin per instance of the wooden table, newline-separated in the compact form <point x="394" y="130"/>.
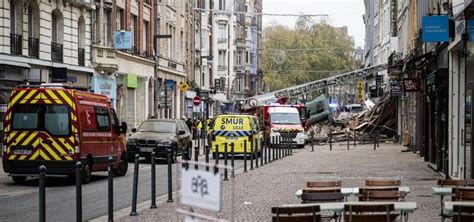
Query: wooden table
<point x="347" y="191"/>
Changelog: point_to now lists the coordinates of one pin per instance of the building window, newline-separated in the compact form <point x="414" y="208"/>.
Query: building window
<point x="222" y="5"/>
<point x="146" y="32"/>
<point x="57" y="28"/>
<point x="33" y="30"/>
<point x="82" y="41"/>
<point x="108" y="28"/>
<point x="221" y="33"/>
<point x="133" y="27"/>
<point x="222" y="60"/>
<point x="119" y="25"/>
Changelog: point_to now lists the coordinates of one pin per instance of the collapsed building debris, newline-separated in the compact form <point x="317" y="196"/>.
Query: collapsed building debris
<point x="380" y="121"/>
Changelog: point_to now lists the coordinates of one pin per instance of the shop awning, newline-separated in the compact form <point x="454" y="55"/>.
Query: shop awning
<point x="15" y="64"/>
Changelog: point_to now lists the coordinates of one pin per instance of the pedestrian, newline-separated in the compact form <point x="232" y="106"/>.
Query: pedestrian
<point x="193" y="127"/>
<point x="189" y="123"/>
<point x="199" y="128"/>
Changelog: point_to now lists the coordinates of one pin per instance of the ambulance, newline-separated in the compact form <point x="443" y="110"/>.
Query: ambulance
<point x="238" y="130"/>
<point x="56" y="126"/>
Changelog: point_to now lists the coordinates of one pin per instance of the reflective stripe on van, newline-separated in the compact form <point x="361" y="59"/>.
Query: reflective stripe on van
<point x="237" y="133"/>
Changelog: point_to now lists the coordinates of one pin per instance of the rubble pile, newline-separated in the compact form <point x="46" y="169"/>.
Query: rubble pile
<point x="381" y="119"/>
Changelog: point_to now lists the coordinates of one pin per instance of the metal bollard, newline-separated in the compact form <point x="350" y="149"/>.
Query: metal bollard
<point x="110" y="169"/>
<point x="207" y="156"/>
<point x="42" y="193"/>
<point x="251" y="155"/>
<point x="256" y="152"/>
<point x="135" y="186"/>
<point x="262" y="149"/>
<point x="196" y="156"/>
<point x="78" y="191"/>
<point x="232" y="146"/>
<point x="330" y="140"/>
<point x="170" y="175"/>
<point x="225" y="162"/>
<point x="265" y="149"/>
<point x="355" y="138"/>
<point x="375" y="141"/>
<point x="312" y="142"/>
<point x="288" y="144"/>
<point x="378" y="138"/>
<point x="153" y="181"/>
<point x="280" y="140"/>
<point x="245" y="156"/>
<point x="273" y="147"/>
<point x="217" y="155"/>
<point x="348" y="140"/>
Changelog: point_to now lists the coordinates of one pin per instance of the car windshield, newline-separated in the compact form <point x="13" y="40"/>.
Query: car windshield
<point x="159" y="127"/>
<point x="286" y="118"/>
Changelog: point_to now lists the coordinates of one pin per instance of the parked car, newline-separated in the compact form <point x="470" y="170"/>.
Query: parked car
<point x="155" y="135"/>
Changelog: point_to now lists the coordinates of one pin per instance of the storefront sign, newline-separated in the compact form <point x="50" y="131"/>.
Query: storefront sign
<point x="123" y="40"/>
<point x="395" y="89"/>
<point x="470" y="30"/>
<point x="104" y="86"/>
<point x="132" y="81"/>
<point x="72" y="79"/>
<point x="411" y="84"/>
<point x="360" y="90"/>
<point x="435" y="28"/>
<point x="169" y="83"/>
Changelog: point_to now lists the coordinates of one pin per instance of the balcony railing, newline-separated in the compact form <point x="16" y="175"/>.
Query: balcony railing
<point x="221" y="67"/>
<point x="82" y="57"/>
<point x="56" y="52"/>
<point x="16" y="44"/>
<point x="137" y="52"/>
<point x="221" y="40"/>
<point x="33" y="47"/>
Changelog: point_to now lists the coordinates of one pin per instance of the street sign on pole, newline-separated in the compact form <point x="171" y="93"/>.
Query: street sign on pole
<point x="196" y="100"/>
<point x="201" y="189"/>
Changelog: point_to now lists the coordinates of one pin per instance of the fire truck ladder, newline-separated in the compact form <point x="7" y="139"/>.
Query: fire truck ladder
<point x="307" y="88"/>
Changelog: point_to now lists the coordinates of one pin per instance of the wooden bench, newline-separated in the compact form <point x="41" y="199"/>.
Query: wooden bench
<point x="382" y="182"/>
<point x="382" y="195"/>
<point x="324" y="183"/>
<point x="300" y="213"/>
<point x="463" y="213"/>
<point x="370" y="213"/>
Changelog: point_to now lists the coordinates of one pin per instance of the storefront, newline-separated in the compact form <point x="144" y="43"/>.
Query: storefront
<point x="105" y="85"/>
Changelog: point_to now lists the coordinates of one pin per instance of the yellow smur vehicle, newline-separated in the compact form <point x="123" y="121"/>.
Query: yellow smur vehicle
<point x="237" y="130"/>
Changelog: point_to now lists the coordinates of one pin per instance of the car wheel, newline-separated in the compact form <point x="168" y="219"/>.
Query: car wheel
<point x="87" y="172"/>
<point x="19" y="179"/>
<point x="122" y="167"/>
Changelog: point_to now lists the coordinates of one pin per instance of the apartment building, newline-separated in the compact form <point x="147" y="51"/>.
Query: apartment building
<point x="43" y="42"/>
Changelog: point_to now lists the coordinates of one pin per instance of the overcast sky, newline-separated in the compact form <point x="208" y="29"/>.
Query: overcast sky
<point x="341" y="12"/>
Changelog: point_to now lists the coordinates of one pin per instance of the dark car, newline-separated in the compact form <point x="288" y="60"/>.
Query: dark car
<point x="158" y="134"/>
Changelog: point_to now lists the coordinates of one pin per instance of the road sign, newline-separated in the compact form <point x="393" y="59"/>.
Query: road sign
<point x="395" y="88"/>
<point x="201" y="189"/>
<point x="169" y="83"/>
<point x="197" y="100"/>
<point x="183" y="87"/>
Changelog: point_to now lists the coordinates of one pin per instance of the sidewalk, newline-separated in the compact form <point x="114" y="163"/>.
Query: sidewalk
<point x="275" y="184"/>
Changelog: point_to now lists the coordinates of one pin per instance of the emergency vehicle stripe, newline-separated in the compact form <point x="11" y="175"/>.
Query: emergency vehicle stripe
<point x="20" y="136"/>
<point x="50" y="152"/>
<point x="12" y="134"/>
<point x="29" y="139"/>
<point x="53" y="96"/>
<point x="14" y="99"/>
<point x="61" y="151"/>
<point x="28" y="96"/>
<point x="67" y="98"/>
<point x="35" y="155"/>
<point x="12" y="157"/>
<point x="50" y="98"/>
<point x="22" y="157"/>
<point x="73" y="117"/>
<point x="45" y="157"/>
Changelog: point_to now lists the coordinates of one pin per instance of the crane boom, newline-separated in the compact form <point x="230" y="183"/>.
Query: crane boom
<point x="307" y="88"/>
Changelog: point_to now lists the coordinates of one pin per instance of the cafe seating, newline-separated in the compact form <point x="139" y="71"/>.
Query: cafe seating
<point x="462" y="190"/>
<point x="300" y="213"/>
<point x="455" y="183"/>
<point x="383" y="183"/>
<point x="369" y="213"/>
<point x="463" y="214"/>
<point x="327" y="183"/>
<point x="463" y="194"/>
<point x="322" y="197"/>
<point x="382" y="195"/>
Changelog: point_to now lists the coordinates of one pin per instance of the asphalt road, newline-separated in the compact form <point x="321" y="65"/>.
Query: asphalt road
<point x="20" y="202"/>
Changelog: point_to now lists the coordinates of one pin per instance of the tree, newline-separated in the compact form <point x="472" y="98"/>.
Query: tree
<point x="307" y="53"/>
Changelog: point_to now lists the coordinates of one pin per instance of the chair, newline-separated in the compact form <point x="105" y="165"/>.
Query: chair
<point x="382" y="182"/>
<point x="301" y="213"/>
<point x="463" y="213"/>
<point x="455" y="183"/>
<point x="321" y="190"/>
<point x="370" y="213"/>
<point x="328" y="183"/>
<point x="382" y="195"/>
<point x="322" y="197"/>
<point x="462" y="194"/>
